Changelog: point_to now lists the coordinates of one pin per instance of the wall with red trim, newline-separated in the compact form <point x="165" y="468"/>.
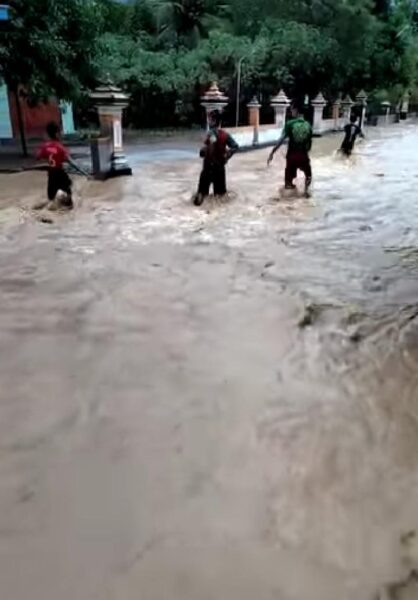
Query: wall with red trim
<point x="35" y="118"/>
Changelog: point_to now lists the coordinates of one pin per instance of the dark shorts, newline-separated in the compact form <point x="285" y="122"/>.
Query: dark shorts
<point x="58" y="180"/>
<point x="298" y="161"/>
<point x="212" y="174"/>
<point x="347" y="148"/>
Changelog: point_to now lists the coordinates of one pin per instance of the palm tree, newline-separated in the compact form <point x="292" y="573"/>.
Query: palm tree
<point x="185" y="22"/>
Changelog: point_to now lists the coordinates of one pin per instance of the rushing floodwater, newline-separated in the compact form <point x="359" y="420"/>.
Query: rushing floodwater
<point x="215" y="403"/>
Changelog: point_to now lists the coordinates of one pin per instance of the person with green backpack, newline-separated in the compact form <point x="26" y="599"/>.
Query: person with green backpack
<point x="299" y="134"/>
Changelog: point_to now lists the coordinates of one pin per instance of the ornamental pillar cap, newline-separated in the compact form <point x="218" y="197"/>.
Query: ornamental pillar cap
<point x="319" y="100"/>
<point x="109" y="94"/>
<point x="214" y="96"/>
<point x="254" y="103"/>
<point x="280" y="99"/>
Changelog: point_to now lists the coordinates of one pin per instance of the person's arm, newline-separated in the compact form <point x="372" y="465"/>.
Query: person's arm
<point x="76" y="167"/>
<point x="40" y="153"/>
<point x="232" y="147"/>
<point x="279" y="144"/>
<point x="66" y="157"/>
<point x="71" y="162"/>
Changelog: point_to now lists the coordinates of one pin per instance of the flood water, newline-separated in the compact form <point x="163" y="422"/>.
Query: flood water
<point x="213" y="403"/>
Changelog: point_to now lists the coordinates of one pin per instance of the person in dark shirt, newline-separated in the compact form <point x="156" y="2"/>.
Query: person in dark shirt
<point x="56" y="154"/>
<point x="352" y="132"/>
<point x="218" y="148"/>
<point x="299" y="133"/>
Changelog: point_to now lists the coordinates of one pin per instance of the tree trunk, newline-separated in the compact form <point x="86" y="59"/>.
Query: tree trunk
<point x="20" y="122"/>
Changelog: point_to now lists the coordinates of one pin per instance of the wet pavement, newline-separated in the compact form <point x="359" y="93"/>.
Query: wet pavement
<point x="213" y="403"/>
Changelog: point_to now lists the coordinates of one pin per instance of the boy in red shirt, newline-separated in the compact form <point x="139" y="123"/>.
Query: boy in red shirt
<point x="218" y="148"/>
<point x="56" y="154"/>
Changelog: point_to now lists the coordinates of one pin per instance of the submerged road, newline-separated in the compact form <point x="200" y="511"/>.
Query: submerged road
<point x="216" y="403"/>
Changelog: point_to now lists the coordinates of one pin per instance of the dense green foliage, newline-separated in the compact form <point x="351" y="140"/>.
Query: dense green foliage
<point x="51" y="45"/>
<point x="165" y="52"/>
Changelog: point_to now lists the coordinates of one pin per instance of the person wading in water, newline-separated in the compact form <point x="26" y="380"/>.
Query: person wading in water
<point x="352" y="132"/>
<point x="299" y="134"/>
<point x="218" y="148"/>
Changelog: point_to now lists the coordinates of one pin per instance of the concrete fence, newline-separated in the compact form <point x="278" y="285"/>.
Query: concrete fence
<point x="254" y="134"/>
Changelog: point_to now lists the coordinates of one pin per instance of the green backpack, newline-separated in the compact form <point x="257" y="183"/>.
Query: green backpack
<point x="301" y="132"/>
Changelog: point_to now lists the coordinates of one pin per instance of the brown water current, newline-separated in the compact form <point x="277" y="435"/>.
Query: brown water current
<point x="219" y="402"/>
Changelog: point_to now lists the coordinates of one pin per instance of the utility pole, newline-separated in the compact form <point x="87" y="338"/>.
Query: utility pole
<point x="238" y="90"/>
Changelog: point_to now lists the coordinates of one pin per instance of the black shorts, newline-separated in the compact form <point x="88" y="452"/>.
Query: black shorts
<point x="212" y="174"/>
<point x="58" y="180"/>
<point x="297" y="161"/>
<point x="347" y="148"/>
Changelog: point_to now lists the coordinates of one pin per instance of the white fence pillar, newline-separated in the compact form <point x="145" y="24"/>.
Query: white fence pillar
<point x="280" y="103"/>
<point x="318" y="103"/>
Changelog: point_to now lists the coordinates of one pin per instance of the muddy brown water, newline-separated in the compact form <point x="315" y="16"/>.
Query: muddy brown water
<point x="213" y="403"/>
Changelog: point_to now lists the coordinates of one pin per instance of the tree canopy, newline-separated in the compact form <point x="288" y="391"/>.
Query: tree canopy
<point x="51" y="45"/>
<point x="164" y="52"/>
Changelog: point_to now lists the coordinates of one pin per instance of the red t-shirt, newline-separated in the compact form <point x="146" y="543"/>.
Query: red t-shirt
<point x="54" y="152"/>
<point x="216" y="143"/>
